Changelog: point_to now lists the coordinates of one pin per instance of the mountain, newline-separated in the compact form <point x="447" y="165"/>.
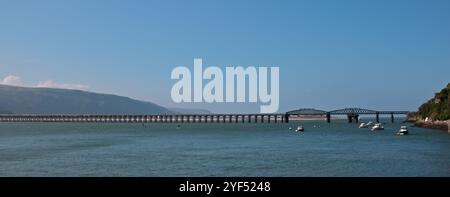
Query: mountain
<point x="190" y="111"/>
<point x="24" y="100"/>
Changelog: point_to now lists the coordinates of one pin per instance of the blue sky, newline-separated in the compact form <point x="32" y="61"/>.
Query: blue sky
<point x="332" y="54"/>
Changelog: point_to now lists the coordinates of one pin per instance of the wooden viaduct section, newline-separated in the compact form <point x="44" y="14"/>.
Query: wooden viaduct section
<point x="181" y="118"/>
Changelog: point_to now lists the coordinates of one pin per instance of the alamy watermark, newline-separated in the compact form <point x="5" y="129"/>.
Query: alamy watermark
<point x="213" y="91"/>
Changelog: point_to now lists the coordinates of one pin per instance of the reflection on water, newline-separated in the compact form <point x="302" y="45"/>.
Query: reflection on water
<point x="229" y="149"/>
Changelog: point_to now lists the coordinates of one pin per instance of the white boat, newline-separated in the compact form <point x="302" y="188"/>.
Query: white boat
<point x="363" y="125"/>
<point x="300" y="129"/>
<point x="377" y="126"/>
<point x="403" y="131"/>
<point x="366" y="125"/>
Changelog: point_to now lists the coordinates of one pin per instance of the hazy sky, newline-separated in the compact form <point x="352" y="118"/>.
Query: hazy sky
<point x="332" y="54"/>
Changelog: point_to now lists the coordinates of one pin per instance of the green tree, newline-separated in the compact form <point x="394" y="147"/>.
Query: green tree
<point x="437" y="108"/>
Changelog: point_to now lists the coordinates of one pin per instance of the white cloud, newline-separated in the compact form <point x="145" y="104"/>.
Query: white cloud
<point x="11" y="80"/>
<point x="17" y="81"/>
<point x="53" y="84"/>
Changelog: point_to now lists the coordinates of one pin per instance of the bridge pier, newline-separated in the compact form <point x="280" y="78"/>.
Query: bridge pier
<point x="392" y="117"/>
<point x="175" y="118"/>
<point x="352" y="117"/>
<point x="377" y="117"/>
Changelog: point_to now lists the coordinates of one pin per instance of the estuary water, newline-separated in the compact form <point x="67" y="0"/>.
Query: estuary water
<point x="220" y="149"/>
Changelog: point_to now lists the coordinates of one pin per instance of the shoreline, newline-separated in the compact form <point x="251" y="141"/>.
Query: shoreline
<point x="418" y="121"/>
<point x="436" y="125"/>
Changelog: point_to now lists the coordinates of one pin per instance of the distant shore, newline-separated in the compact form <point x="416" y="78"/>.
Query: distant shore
<point x="312" y="118"/>
<point x="307" y="118"/>
<point x="438" y="125"/>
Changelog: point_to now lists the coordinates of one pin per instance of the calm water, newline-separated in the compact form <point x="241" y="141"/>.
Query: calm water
<point x="337" y="149"/>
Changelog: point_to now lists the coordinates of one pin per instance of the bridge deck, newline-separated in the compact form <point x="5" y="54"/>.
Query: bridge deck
<point x="174" y="118"/>
<point x="352" y="113"/>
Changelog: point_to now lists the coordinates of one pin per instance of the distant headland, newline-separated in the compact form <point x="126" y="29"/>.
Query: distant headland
<point x="435" y="113"/>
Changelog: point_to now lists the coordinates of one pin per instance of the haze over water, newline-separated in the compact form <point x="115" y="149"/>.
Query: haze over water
<point x="224" y="149"/>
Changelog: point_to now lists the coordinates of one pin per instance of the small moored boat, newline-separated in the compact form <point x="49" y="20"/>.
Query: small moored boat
<point x="365" y="125"/>
<point x="300" y="129"/>
<point x="403" y="131"/>
<point x="377" y="126"/>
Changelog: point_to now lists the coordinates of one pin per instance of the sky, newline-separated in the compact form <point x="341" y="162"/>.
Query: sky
<point x="381" y="55"/>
